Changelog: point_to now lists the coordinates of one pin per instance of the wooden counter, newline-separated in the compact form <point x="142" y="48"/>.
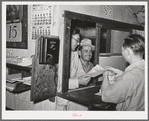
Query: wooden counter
<point x="88" y="98"/>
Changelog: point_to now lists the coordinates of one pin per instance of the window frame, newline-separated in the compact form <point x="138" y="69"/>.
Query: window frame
<point x="100" y="22"/>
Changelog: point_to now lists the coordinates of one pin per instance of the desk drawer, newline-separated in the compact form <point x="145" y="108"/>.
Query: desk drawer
<point x="23" y="101"/>
<point x="10" y="100"/>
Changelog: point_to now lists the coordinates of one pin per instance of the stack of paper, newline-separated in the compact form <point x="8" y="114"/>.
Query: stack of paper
<point x="27" y="80"/>
<point x="97" y="70"/>
<point x="12" y="80"/>
<point x="11" y="85"/>
<point x="26" y="62"/>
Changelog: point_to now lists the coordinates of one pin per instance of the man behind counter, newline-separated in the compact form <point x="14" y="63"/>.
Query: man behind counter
<point x="128" y="89"/>
<point x="81" y="66"/>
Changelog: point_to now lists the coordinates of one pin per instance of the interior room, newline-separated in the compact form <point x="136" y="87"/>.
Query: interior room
<point x="38" y="53"/>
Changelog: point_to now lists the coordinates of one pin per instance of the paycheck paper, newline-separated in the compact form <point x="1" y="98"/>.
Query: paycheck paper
<point x="97" y="70"/>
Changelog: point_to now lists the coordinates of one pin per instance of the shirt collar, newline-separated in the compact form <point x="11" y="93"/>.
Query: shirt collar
<point x="84" y="63"/>
<point x="140" y="63"/>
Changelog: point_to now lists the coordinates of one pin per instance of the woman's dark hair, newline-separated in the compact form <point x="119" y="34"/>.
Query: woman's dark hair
<point x="136" y="43"/>
<point x="75" y="31"/>
<point x="79" y="48"/>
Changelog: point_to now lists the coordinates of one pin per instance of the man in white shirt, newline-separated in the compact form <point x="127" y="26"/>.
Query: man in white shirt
<point x="81" y="66"/>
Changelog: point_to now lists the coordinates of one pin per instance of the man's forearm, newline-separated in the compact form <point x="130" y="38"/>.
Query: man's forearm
<point x="73" y="83"/>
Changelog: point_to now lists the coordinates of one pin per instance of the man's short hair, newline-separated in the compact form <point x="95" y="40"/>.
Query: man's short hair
<point x="136" y="43"/>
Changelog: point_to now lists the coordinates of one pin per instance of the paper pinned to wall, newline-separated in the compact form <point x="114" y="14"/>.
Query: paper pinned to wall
<point x="97" y="70"/>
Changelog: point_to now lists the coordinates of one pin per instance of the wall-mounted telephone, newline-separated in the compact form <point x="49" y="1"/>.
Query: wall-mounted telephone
<point x="49" y="50"/>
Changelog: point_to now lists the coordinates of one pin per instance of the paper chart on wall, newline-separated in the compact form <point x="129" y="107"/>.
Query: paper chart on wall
<point x="41" y="20"/>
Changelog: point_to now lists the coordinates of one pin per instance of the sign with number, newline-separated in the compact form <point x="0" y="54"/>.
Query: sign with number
<point x="14" y="32"/>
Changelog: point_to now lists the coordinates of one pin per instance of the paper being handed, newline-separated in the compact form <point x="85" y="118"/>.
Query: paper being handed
<point x="97" y="70"/>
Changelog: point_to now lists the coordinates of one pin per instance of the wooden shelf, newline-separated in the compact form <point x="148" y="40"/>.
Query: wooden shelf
<point x="18" y="67"/>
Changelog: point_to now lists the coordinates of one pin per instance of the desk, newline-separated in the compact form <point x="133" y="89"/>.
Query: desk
<point x="13" y="69"/>
<point x="88" y="98"/>
<point x="15" y="66"/>
<point x="19" y="99"/>
<point x="21" y="88"/>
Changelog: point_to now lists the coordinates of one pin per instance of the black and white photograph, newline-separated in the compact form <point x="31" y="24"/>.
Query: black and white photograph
<point x="75" y="60"/>
<point x="14" y="13"/>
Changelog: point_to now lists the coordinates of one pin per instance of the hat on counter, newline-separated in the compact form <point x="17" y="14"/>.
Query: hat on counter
<point x="87" y="42"/>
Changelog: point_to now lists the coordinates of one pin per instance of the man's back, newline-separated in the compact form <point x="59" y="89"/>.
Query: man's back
<point x="135" y="88"/>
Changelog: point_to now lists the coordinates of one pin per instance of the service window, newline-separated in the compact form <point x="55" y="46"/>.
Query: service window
<point x="102" y="33"/>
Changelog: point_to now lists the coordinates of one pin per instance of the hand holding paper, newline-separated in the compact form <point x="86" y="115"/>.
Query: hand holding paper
<point x="97" y="70"/>
<point x="116" y="71"/>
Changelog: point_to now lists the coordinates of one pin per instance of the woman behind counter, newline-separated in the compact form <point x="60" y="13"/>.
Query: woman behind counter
<point x="75" y="41"/>
<point x="128" y="90"/>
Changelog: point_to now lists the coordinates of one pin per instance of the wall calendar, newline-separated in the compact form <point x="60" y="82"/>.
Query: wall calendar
<point x="41" y="20"/>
